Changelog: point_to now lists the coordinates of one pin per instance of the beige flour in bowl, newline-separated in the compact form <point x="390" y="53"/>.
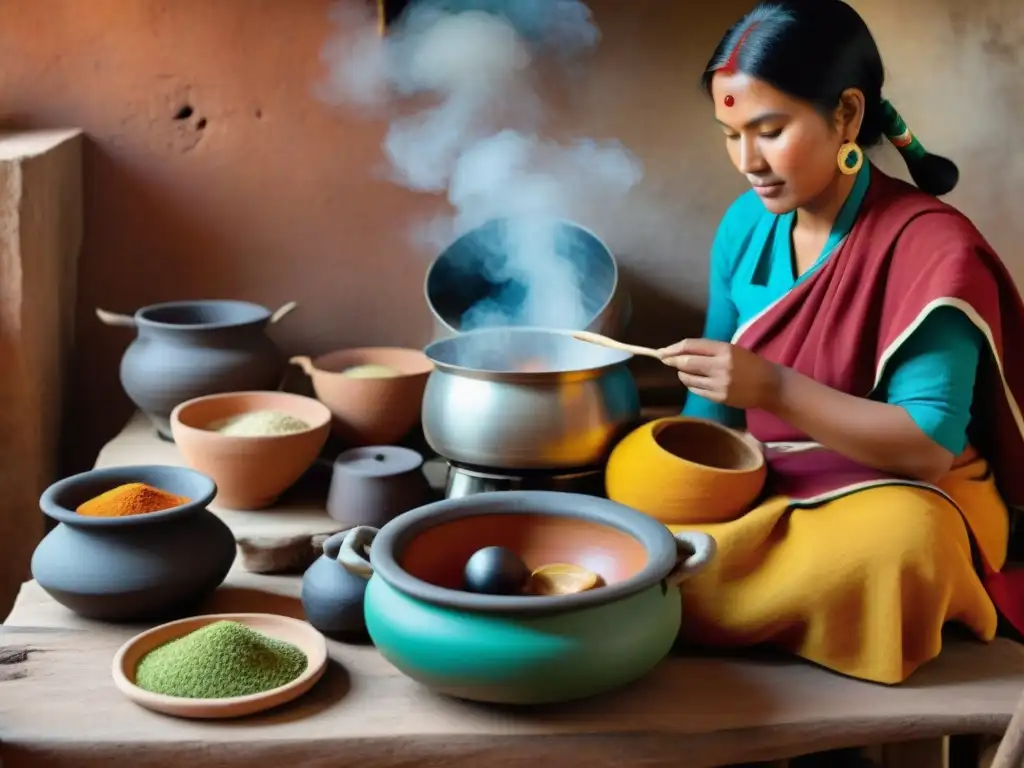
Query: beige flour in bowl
<point x="258" y="424"/>
<point x="371" y="371"/>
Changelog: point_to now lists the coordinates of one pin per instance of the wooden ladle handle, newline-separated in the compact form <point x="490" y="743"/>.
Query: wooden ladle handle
<point x="604" y="341"/>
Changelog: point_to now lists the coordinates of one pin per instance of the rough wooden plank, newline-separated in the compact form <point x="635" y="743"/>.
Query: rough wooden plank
<point x="241" y="592"/>
<point x="1010" y="752"/>
<point x="62" y="708"/>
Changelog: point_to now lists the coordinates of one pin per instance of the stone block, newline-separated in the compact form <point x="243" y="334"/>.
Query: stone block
<point x="41" y="225"/>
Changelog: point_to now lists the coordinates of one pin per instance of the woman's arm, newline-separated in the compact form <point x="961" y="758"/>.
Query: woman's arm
<point x="879" y="435"/>
<point x="921" y="424"/>
<point x="929" y="383"/>
<point x="722" y="319"/>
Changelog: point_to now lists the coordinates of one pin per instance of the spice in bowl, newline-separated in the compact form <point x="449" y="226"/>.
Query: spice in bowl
<point x="130" y="499"/>
<point x="371" y="371"/>
<point x="222" y="660"/>
<point x="263" y="423"/>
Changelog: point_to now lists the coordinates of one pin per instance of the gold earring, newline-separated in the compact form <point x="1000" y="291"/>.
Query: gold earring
<point x="850" y="158"/>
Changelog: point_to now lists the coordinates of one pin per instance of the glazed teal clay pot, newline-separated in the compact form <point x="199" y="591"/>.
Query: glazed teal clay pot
<point x="524" y="649"/>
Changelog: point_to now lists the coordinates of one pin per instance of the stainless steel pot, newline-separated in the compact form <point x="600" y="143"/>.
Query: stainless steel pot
<point x="472" y="270"/>
<point x="527" y="398"/>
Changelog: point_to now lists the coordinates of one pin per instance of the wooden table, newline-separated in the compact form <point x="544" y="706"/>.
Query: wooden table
<point x="59" y="707"/>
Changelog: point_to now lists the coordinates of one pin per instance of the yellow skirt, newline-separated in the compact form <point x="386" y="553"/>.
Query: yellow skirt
<point x="861" y="584"/>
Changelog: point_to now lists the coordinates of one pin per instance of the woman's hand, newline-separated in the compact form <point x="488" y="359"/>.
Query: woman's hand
<point x="875" y="434"/>
<point x="724" y="373"/>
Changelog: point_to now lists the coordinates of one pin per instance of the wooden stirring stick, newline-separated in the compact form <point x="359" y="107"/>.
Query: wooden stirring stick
<point x="604" y="341"/>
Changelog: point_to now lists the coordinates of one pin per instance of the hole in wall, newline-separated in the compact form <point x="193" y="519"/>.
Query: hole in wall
<point x="201" y="124"/>
<point x="184" y="113"/>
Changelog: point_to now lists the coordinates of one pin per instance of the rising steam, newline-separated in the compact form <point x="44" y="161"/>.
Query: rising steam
<point x="480" y="140"/>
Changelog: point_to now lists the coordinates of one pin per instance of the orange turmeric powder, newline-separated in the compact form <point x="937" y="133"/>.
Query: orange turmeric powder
<point x="130" y="499"/>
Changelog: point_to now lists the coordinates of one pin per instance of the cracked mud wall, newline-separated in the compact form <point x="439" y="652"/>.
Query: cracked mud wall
<point x="213" y="171"/>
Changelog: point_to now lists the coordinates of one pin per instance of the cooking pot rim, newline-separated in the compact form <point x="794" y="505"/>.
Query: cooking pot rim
<point x="394" y="536"/>
<point x="616" y="276"/>
<point x="51" y="502"/>
<point x="614" y="357"/>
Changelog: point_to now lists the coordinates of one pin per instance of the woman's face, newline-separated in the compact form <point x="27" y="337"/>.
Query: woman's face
<point x="784" y="147"/>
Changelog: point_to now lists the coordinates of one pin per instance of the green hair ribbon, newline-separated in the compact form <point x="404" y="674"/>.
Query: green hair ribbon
<point x="897" y="132"/>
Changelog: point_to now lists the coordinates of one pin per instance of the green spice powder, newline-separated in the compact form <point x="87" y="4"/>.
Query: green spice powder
<point x="221" y="660"/>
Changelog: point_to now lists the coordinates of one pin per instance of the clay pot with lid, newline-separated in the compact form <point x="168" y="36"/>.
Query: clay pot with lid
<point x="686" y="471"/>
<point x="377" y="410"/>
<point x="374" y="484"/>
<point x="523" y="648"/>
<point x="187" y="349"/>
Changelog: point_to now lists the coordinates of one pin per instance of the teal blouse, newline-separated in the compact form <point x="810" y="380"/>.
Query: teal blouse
<point x="931" y="375"/>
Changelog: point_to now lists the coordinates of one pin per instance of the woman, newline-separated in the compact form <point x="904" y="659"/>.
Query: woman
<point x="856" y="327"/>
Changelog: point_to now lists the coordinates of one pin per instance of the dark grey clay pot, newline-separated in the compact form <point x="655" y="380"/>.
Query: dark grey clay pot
<point x="187" y="349"/>
<point x="374" y="484"/>
<point x="332" y="593"/>
<point x="144" y="567"/>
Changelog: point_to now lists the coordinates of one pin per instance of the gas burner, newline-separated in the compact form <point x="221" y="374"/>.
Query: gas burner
<point x="465" y="480"/>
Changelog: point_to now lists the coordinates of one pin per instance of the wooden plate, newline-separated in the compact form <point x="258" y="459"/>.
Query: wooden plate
<point x="298" y="633"/>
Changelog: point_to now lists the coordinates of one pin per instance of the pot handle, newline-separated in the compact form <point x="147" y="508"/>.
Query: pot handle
<point x="113" y="318"/>
<point x="305" y="363"/>
<point x="282" y="311"/>
<point x="694" y="551"/>
<point x="353" y="555"/>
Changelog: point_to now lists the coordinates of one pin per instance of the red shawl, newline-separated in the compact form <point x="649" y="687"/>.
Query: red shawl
<point x="907" y="254"/>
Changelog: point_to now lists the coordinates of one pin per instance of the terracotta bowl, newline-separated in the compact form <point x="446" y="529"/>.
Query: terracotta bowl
<point x="298" y="633"/>
<point x="685" y="471"/>
<point x="250" y="472"/>
<point x="378" y="411"/>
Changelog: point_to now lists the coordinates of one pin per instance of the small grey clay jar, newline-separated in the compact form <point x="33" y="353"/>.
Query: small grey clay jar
<point x="158" y="565"/>
<point x="332" y="590"/>
<point x="374" y="484"/>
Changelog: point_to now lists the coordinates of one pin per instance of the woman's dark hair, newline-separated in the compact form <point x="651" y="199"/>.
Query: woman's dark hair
<point x="814" y="50"/>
